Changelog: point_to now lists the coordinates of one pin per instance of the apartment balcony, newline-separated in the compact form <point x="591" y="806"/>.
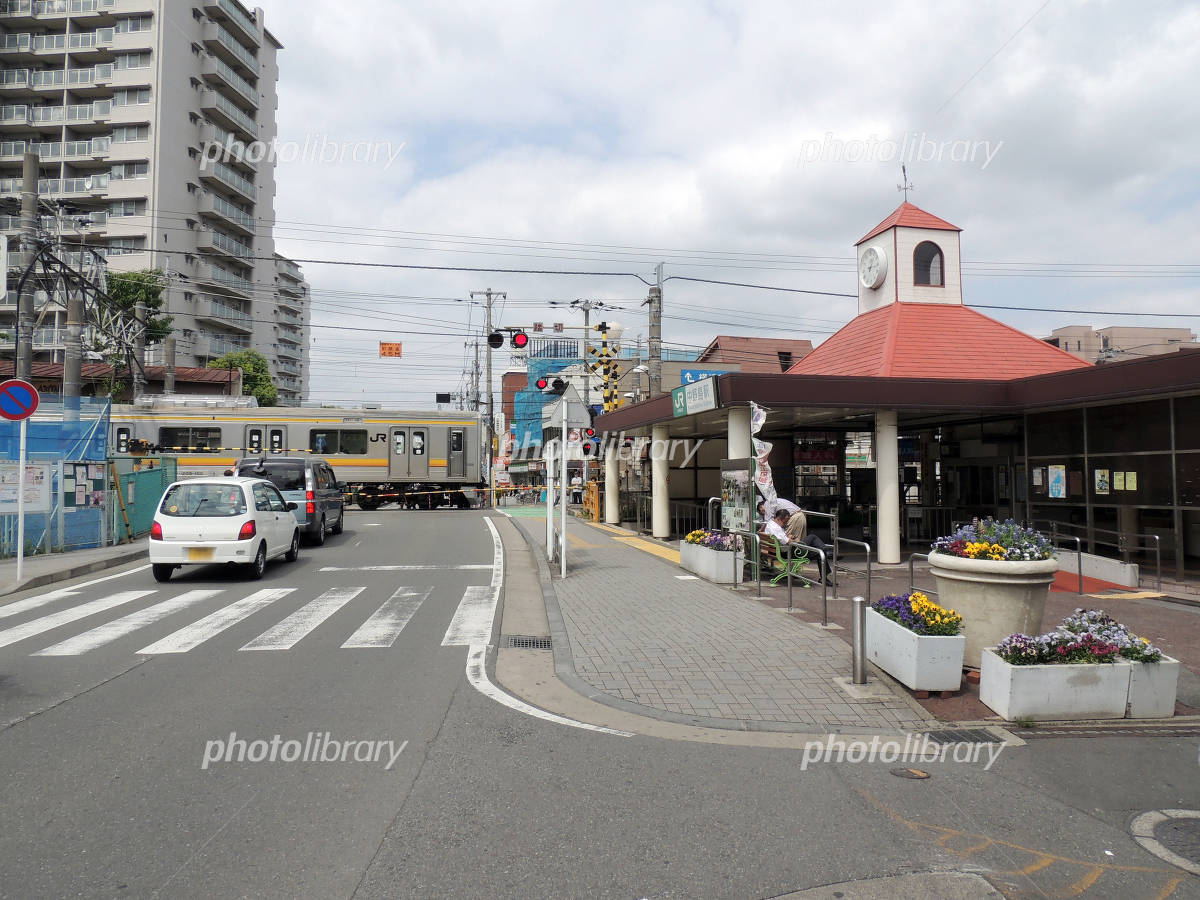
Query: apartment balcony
<point x="19" y="115"/>
<point x="17" y="47"/>
<point x="224" y="177"/>
<point x="237" y="88"/>
<point x="287" y="351"/>
<point x="289" y="368"/>
<point x="227" y="113"/>
<point x="230" y="317"/>
<point x="213" y="276"/>
<point x="212" y="241"/>
<point x="288" y="269"/>
<point x="214" y="346"/>
<point x="90" y="186"/>
<point x="232" y="216"/>
<point x="96" y="149"/>
<point x="290" y="318"/>
<point x="234" y="17"/>
<point x="15" y="79"/>
<point x="225" y="46"/>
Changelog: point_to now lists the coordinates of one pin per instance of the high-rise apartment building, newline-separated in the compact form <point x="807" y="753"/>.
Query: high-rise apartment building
<point x="154" y="121"/>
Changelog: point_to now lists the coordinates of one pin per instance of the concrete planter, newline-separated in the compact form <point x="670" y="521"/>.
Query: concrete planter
<point x="996" y="598"/>
<point x="1152" y="687"/>
<point x="717" y="566"/>
<point x="920" y="662"/>
<point x="1069" y="691"/>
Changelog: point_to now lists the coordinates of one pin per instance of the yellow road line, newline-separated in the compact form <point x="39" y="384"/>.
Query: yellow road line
<point x="610" y="528"/>
<point x="650" y="547"/>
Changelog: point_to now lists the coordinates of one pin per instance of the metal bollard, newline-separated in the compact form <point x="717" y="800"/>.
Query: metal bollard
<point x="858" y="639"/>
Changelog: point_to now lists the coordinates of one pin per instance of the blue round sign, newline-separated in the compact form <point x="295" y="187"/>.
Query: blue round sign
<point x="18" y="399"/>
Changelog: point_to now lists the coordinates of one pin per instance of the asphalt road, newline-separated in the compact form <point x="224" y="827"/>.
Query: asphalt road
<point x="121" y="778"/>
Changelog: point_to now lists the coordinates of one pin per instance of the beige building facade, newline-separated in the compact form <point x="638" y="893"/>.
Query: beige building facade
<point x="1120" y="342"/>
<point x="154" y="121"/>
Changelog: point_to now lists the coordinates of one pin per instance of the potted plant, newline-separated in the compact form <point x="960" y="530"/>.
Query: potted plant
<point x="916" y="641"/>
<point x="997" y="575"/>
<point x="1153" y="676"/>
<point x="713" y="555"/>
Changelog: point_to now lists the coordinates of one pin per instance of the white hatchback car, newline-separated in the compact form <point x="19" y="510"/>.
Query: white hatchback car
<point x="222" y="520"/>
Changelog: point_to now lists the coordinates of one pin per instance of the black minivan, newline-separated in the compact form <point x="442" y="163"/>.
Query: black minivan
<point x="310" y="483"/>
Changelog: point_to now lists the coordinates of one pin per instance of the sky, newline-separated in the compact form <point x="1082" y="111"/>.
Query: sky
<point x="749" y="142"/>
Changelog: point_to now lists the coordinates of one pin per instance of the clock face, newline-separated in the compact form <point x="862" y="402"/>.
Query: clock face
<point x="872" y="267"/>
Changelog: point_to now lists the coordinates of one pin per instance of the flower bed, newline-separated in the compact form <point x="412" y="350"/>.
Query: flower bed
<point x="916" y="642"/>
<point x="712" y="555"/>
<point x="1090" y="667"/>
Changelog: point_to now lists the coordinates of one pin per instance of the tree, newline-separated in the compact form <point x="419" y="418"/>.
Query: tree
<point x="128" y="289"/>
<point x="256" y="374"/>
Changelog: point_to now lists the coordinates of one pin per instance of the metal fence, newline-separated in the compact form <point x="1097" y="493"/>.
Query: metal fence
<point x="136" y="486"/>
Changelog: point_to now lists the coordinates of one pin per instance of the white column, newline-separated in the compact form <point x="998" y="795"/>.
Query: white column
<point x="887" y="487"/>
<point x="739" y="446"/>
<point x="612" y="484"/>
<point x="660" y="491"/>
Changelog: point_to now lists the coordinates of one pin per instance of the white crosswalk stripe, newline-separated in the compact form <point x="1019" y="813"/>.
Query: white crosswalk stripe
<point x="303" y="621"/>
<point x="385" y="624"/>
<point x="472" y="622"/>
<point x="126" y="625"/>
<point x="210" y="626"/>
<point x="67" y="616"/>
<point x="20" y="606"/>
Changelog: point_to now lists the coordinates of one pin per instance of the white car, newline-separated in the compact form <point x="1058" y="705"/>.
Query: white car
<point x="222" y="520"/>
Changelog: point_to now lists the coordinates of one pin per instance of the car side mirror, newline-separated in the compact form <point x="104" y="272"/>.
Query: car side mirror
<point x="293" y="505"/>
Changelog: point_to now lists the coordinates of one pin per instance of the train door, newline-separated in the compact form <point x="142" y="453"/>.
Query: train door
<point x="456" y="450"/>
<point x="418" y="453"/>
<point x="398" y="454"/>
<point x="277" y="438"/>
<point x="254" y="439"/>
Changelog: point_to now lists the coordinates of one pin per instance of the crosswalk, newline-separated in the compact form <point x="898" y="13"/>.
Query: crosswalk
<point x="380" y="629"/>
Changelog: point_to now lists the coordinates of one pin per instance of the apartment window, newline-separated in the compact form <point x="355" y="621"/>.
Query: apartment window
<point x="130" y="170"/>
<point x="127" y="208"/>
<point x="131" y="97"/>
<point x="132" y="61"/>
<point x="123" y="134"/>
<point x="118" y="246"/>
<point x="134" y="23"/>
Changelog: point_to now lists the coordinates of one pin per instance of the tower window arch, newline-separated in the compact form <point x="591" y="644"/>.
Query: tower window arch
<point x="928" y="265"/>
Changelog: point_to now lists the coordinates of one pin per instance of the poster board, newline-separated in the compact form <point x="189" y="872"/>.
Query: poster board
<point x="38" y="485"/>
<point x="84" y="486"/>
<point x="737" y="494"/>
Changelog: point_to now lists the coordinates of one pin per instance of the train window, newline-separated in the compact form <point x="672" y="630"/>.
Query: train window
<point x="122" y="440"/>
<point x="174" y="438"/>
<point x="255" y="440"/>
<point x="354" y="442"/>
<point x="398" y="438"/>
<point x="456" y="441"/>
<point x="323" y="441"/>
<point x="207" y="439"/>
<point x="276" y="440"/>
<point x="418" y="447"/>
<point x="195" y="440"/>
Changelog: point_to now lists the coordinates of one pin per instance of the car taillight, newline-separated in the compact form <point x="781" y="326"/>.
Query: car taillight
<point x="156" y="532"/>
<point x="309" y="507"/>
<point x="248" y="531"/>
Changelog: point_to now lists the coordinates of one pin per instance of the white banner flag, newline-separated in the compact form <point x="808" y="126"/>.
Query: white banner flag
<point x="762" y="450"/>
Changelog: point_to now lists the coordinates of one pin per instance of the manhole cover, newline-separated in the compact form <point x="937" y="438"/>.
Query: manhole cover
<point x="1180" y="836"/>
<point x="526" y="642"/>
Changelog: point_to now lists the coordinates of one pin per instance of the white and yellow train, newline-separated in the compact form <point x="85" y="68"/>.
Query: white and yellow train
<point x="418" y="458"/>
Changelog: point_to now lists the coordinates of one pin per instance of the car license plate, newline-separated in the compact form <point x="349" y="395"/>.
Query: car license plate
<point x="199" y="554"/>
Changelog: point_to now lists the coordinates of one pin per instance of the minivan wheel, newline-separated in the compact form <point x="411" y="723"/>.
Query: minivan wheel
<point x="293" y="553"/>
<point x="162" y="571"/>
<point x="259" y="566"/>
<point x="318" y="537"/>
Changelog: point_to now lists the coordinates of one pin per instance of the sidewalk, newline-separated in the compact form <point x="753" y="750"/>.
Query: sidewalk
<point x="49" y="568"/>
<point x="683" y="650"/>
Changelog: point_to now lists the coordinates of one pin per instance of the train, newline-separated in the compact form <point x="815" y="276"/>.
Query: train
<point x="419" y="458"/>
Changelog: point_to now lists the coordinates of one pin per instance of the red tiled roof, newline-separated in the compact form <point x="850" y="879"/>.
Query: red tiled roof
<point x="933" y="340"/>
<point x="911" y="216"/>
<point x="190" y="374"/>
<point x="753" y="354"/>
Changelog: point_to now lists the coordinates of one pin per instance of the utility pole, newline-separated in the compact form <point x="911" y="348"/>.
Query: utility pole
<point x="23" y="367"/>
<point x="475" y="381"/>
<point x="169" y="365"/>
<point x="139" y="352"/>
<point x="73" y="356"/>
<point x="490" y="295"/>
<point x="587" y="306"/>
<point x="654" y="363"/>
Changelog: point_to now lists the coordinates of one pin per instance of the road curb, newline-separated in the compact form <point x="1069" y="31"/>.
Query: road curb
<point x="133" y="554"/>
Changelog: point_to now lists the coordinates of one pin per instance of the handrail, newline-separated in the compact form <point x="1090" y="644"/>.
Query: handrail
<point x="912" y="577"/>
<point x="746" y="555"/>
<point x="1121" y="545"/>
<point x="713" y="526"/>
<point x="823" y="567"/>
<point x="1055" y="537"/>
<point x="862" y="544"/>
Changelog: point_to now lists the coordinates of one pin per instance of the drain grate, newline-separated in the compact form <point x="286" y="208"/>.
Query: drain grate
<point x="963" y="736"/>
<point x="526" y="642"/>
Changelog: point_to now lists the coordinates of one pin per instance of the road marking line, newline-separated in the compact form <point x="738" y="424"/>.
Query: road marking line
<point x="472" y="622"/>
<point x="295" y="627"/>
<point x="402" y="568"/>
<point x="385" y="624"/>
<point x="370" y="525"/>
<point x="119" y="628"/>
<point x="214" y="623"/>
<point x="29" y="603"/>
<point x="477" y="653"/>
<point x="48" y="623"/>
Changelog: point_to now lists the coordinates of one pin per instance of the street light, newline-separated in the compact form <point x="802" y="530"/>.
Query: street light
<point x="639" y="370"/>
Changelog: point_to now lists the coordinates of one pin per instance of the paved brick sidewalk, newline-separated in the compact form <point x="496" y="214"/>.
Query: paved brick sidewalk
<point x="692" y="651"/>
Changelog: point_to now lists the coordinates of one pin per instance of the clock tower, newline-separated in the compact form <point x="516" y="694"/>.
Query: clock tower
<point x="909" y="257"/>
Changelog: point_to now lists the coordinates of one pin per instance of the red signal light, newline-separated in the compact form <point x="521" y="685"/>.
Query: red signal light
<point x="520" y="340"/>
<point x="589" y="432"/>
<point x="542" y="384"/>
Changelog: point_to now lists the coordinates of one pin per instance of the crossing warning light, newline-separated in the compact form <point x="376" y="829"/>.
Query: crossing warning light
<point x="589" y="433"/>
<point x="519" y="340"/>
<point x="495" y="340"/>
<point x="542" y="383"/>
